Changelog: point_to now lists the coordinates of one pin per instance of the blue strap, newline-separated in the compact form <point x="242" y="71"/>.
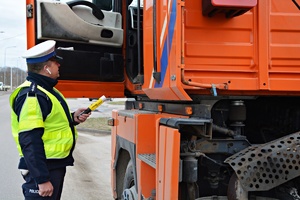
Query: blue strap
<point x="213" y="90"/>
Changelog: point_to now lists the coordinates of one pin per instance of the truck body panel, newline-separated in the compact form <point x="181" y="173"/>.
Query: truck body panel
<point x="248" y="54"/>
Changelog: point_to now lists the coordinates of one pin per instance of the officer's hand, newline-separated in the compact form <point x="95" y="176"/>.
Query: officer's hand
<point x="81" y="118"/>
<point x="46" y="189"/>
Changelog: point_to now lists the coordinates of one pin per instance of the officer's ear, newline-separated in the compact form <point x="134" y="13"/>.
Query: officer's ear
<point x="44" y="70"/>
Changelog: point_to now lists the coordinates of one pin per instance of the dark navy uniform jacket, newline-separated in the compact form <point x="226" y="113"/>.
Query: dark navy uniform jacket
<point x="31" y="141"/>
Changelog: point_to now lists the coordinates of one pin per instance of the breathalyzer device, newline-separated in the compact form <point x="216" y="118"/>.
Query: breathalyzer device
<point x="94" y="105"/>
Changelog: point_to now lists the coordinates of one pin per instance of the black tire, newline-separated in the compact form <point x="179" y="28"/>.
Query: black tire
<point x="129" y="176"/>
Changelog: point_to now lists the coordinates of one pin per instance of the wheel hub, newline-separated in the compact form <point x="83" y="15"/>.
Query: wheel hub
<point x="129" y="194"/>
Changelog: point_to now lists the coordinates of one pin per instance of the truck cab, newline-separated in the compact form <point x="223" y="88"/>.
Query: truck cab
<point x="215" y="85"/>
<point x="4" y="87"/>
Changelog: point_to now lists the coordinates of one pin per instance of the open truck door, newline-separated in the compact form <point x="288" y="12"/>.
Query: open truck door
<point x="90" y="40"/>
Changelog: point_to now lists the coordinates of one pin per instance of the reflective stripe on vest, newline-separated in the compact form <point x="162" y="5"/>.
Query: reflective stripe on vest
<point x="57" y="137"/>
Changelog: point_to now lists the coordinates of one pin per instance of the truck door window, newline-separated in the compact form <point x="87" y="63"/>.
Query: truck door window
<point x="103" y="4"/>
<point x="91" y="38"/>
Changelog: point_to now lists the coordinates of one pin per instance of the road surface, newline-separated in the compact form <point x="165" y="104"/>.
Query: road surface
<point x="88" y="179"/>
<point x="11" y="180"/>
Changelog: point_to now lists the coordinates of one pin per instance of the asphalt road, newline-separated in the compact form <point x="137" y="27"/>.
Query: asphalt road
<point x="88" y="179"/>
<point x="11" y="180"/>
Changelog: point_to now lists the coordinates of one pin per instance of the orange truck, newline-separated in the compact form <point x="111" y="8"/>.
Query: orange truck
<point x="213" y="88"/>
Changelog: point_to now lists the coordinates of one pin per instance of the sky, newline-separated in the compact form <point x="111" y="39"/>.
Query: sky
<point x="12" y="33"/>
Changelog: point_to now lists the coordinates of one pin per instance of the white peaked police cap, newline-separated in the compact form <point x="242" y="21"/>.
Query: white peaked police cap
<point x="41" y="52"/>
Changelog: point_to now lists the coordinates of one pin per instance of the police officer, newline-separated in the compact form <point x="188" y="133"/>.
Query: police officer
<point x="42" y="125"/>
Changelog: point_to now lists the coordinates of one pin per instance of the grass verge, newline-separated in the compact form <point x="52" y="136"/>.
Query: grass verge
<point x="96" y="124"/>
<point x="116" y="102"/>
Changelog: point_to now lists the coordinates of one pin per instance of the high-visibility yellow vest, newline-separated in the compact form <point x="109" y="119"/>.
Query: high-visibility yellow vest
<point x="57" y="137"/>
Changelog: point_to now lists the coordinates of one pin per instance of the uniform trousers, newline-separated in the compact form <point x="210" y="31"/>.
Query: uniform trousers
<point x="31" y="189"/>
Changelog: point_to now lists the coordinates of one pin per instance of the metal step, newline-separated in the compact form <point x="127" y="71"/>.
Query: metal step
<point x="150" y="159"/>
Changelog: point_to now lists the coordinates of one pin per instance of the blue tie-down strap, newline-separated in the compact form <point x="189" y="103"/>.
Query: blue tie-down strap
<point x="213" y="90"/>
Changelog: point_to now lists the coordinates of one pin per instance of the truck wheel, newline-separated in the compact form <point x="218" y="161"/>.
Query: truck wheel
<point x="129" y="191"/>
